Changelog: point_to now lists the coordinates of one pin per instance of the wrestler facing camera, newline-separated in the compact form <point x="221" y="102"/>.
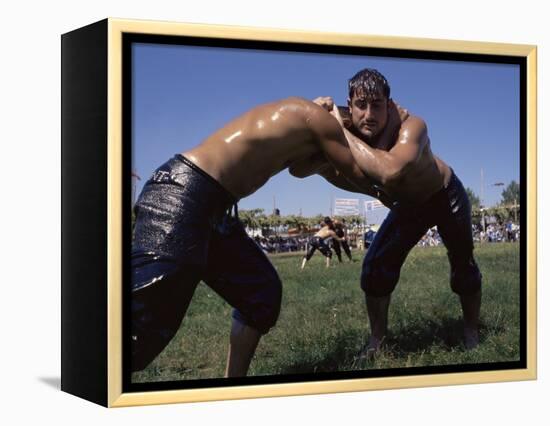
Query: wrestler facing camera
<point x="318" y="242"/>
<point x="184" y="231"/>
<point x="424" y="192"/>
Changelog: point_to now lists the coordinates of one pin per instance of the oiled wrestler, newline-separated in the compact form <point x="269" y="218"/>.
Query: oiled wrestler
<point x="318" y="242"/>
<point x="338" y="245"/>
<point x="425" y="192"/>
<point x="184" y="231"/>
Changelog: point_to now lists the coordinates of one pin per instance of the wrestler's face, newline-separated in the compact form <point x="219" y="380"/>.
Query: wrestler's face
<point x="369" y="114"/>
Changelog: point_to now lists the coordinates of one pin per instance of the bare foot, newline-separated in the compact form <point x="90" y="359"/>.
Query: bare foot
<point x="471" y="338"/>
<point x="372" y="349"/>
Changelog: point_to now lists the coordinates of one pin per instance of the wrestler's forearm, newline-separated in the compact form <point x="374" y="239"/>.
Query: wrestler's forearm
<point x="340" y="181"/>
<point x="343" y="183"/>
<point x="396" y="117"/>
<point x="367" y="187"/>
<point x="373" y="162"/>
<point x="339" y="157"/>
<point x="336" y="147"/>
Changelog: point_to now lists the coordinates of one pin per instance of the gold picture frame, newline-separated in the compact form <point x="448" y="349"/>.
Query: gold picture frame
<point x="93" y="78"/>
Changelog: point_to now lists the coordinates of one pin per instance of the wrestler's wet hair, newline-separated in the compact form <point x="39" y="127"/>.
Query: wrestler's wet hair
<point x="368" y="82"/>
<point x="328" y="221"/>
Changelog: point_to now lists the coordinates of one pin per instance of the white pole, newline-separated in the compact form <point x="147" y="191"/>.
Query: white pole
<point x="482" y="201"/>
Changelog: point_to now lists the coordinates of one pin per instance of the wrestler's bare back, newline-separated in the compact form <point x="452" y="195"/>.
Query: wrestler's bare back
<point x="246" y="152"/>
<point x="326" y="232"/>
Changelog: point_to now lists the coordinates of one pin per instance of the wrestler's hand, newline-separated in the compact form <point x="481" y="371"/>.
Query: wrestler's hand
<point x="346" y="116"/>
<point x="325" y="101"/>
<point x="396" y="112"/>
<point x="396" y="116"/>
<point x="335" y="112"/>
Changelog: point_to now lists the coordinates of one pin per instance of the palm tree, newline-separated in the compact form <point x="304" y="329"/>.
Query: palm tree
<point x="274" y="222"/>
<point x="510" y="195"/>
<point x="251" y="218"/>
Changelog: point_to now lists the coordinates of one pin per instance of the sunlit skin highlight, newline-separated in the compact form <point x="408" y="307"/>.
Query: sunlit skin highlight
<point x="404" y="166"/>
<point x="294" y="133"/>
<point x="233" y="136"/>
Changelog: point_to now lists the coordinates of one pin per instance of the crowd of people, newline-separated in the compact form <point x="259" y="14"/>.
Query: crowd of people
<point x="359" y="239"/>
<point x="494" y="233"/>
<point x="279" y="244"/>
<point x="497" y="232"/>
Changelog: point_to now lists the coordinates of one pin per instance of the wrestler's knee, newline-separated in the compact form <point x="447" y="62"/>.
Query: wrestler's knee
<point x="157" y="310"/>
<point x="378" y="279"/>
<point x="465" y="275"/>
<point x="150" y="334"/>
<point x="263" y="311"/>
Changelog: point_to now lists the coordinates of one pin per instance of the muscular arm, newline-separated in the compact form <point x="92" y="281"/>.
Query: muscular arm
<point x="334" y="162"/>
<point x="336" y="237"/>
<point x="331" y="140"/>
<point x="396" y="116"/>
<point x="332" y="234"/>
<point x="318" y="164"/>
<point x="345" y="173"/>
<point x="388" y="167"/>
<point x="331" y="175"/>
<point x="337" y="179"/>
<point x="308" y="166"/>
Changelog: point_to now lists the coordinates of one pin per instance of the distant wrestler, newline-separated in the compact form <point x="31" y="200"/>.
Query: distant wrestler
<point x="185" y="233"/>
<point x="338" y="245"/>
<point x="425" y="192"/>
<point x="318" y="242"/>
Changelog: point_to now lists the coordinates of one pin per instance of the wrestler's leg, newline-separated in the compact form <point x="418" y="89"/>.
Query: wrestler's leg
<point x="397" y="235"/>
<point x="465" y="279"/>
<point x="310" y="250"/>
<point x="347" y="249"/>
<point x="240" y="272"/>
<point x="455" y="229"/>
<point x="157" y="312"/>
<point x="471" y="306"/>
<point x="168" y="255"/>
<point x="243" y="341"/>
<point x="337" y="250"/>
<point x="325" y="251"/>
<point x="377" y="309"/>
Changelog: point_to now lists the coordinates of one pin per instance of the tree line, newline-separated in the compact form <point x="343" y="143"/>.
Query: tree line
<point x="506" y="209"/>
<point x="257" y="219"/>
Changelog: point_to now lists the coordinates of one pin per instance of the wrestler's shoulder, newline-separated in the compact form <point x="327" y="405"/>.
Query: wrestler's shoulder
<point x="414" y="122"/>
<point x="296" y="102"/>
<point x="298" y="110"/>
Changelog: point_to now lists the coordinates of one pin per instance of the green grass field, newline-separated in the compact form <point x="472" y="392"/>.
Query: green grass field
<point x="323" y="323"/>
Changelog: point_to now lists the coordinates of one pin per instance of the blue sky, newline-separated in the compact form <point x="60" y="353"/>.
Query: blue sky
<point x="181" y="94"/>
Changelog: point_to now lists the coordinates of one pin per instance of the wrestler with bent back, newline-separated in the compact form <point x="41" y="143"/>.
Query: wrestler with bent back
<point x="184" y="231"/>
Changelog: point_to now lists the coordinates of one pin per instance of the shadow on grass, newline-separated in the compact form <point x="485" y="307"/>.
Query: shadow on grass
<point x="422" y="335"/>
<point x="446" y="333"/>
<point x="345" y="348"/>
